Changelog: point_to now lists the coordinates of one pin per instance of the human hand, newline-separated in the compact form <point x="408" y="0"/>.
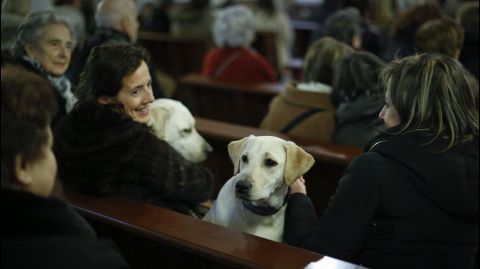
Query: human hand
<point x="298" y="186"/>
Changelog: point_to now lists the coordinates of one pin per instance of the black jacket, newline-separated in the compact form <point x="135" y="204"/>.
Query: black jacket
<point x="400" y="205"/>
<point x="46" y="233"/>
<point x="101" y="151"/>
<point x="357" y="122"/>
<point x="103" y="35"/>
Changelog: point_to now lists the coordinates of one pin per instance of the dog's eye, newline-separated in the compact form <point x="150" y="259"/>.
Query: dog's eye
<point x="187" y="131"/>
<point x="270" y="162"/>
<point x="244" y="158"/>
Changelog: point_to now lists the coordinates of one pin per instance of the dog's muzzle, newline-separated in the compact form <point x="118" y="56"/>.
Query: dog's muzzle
<point x="243" y="187"/>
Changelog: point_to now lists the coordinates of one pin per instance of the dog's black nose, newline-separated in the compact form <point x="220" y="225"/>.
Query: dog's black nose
<point x="243" y="186"/>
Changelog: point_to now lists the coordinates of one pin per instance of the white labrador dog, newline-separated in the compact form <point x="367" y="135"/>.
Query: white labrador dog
<point x="254" y="199"/>
<point x="174" y="123"/>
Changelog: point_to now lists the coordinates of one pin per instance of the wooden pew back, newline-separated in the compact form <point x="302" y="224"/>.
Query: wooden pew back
<point x="322" y="179"/>
<point x="174" y="55"/>
<point x="241" y="104"/>
<point x="153" y="237"/>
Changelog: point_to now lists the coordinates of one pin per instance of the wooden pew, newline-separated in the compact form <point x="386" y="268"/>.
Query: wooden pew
<point x="322" y="180"/>
<point x="245" y="104"/>
<point x="174" y="55"/>
<point x="153" y="237"/>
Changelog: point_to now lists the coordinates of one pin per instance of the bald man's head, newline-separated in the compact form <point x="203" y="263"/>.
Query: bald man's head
<point x="120" y="15"/>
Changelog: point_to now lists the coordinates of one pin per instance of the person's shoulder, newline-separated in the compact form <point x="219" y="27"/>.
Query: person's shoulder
<point x="63" y="252"/>
<point x="367" y="162"/>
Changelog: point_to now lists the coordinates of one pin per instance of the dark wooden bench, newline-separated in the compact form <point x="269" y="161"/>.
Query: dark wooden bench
<point x="174" y="55"/>
<point x="153" y="237"/>
<point x="322" y="180"/>
<point x="245" y="104"/>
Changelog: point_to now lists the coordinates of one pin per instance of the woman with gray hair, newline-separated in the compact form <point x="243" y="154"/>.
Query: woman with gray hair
<point x="234" y="60"/>
<point x="44" y="45"/>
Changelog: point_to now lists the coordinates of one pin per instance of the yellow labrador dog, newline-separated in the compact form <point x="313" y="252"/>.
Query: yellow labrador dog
<point x="254" y="199"/>
<point x="174" y="123"/>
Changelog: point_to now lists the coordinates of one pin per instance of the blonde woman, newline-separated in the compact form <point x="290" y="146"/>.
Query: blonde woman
<point x="411" y="200"/>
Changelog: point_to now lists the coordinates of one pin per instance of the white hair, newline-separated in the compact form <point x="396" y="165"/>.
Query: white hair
<point x="234" y="26"/>
<point x="109" y="13"/>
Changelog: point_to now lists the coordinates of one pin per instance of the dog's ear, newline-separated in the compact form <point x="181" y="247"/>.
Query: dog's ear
<point x="297" y="163"/>
<point x="158" y="119"/>
<point x="234" y="150"/>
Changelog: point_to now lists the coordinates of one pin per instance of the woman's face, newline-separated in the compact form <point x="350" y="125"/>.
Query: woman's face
<point x="389" y="113"/>
<point x="43" y="170"/>
<point x="136" y="94"/>
<point x="54" y="49"/>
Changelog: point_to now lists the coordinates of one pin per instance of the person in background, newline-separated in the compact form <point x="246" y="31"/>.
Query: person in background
<point x="71" y="11"/>
<point x="304" y="109"/>
<point x="13" y="13"/>
<point x="468" y="17"/>
<point x="44" y="46"/>
<point x="39" y="231"/>
<point x="192" y="19"/>
<point x="345" y="26"/>
<point x="444" y="36"/>
<point x="269" y="18"/>
<point x="234" y="60"/>
<point x="105" y="147"/>
<point x="154" y="16"/>
<point x="117" y="20"/>
<point x="358" y="97"/>
<point x="411" y="200"/>
<point x="401" y="42"/>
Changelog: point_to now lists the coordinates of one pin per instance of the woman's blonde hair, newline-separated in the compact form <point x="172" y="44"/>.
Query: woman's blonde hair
<point x="321" y="58"/>
<point x="432" y="96"/>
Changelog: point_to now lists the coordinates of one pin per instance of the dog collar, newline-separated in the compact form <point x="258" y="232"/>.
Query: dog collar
<point x="264" y="210"/>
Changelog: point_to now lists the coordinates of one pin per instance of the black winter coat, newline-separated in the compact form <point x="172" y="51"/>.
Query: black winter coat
<point x="46" y="233"/>
<point x="400" y="205"/>
<point x="101" y="151"/>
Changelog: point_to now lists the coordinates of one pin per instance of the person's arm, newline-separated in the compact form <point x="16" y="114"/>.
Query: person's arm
<point x="346" y="222"/>
<point x="169" y="176"/>
<point x="185" y="181"/>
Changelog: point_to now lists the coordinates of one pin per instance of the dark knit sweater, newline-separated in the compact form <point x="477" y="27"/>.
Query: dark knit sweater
<point x="101" y="151"/>
<point x="42" y="232"/>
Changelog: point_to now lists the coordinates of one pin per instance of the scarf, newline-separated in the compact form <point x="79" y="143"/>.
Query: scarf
<point x="61" y="84"/>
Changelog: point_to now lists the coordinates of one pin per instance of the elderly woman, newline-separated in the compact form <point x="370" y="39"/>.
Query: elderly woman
<point x="39" y="231"/>
<point x="234" y="60"/>
<point x="359" y="97"/>
<point x="411" y="200"/>
<point x="304" y="109"/>
<point x="104" y="145"/>
<point x="44" y="45"/>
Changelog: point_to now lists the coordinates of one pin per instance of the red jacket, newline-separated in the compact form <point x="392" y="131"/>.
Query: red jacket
<point x="240" y="65"/>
